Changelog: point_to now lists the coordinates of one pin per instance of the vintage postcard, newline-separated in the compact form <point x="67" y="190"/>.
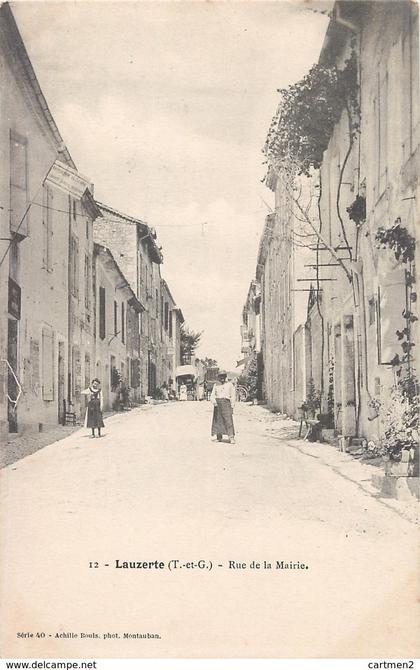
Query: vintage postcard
<point x="209" y="399"/>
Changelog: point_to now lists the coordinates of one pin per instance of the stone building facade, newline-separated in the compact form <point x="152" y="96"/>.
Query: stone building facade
<point x="251" y="320"/>
<point x="116" y="316"/>
<point x="362" y="313"/>
<point x="170" y="328"/>
<point x="285" y="277"/>
<point x="46" y="241"/>
<point x="341" y="340"/>
<point x="251" y="336"/>
<point x="51" y="273"/>
<point x="134" y="247"/>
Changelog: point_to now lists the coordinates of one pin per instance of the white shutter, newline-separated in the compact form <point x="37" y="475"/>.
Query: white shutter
<point x="391" y="305"/>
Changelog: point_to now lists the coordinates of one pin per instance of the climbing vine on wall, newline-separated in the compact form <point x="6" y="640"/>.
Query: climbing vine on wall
<point x="308" y="112"/>
<point x="403" y="244"/>
<point x="400" y="411"/>
<point x="357" y="210"/>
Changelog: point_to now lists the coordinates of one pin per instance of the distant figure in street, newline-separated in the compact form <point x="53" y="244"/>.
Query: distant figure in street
<point x="183" y="392"/>
<point x="165" y="392"/>
<point x="223" y="397"/>
<point x="93" y="418"/>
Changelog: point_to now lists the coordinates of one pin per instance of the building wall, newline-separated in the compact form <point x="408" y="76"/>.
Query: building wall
<point x="120" y="236"/>
<point x="300" y="360"/>
<point x="168" y="335"/>
<point x="133" y="352"/>
<point x="177" y="320"/>
<point x="80" y="300"/>
<point x="131" y="244"/>
<point x="361" y="318"/>
<point x="154" y="335"/>
<point x="285" y="282"/>
<point x="111" y="351"/>
<point x="390" y="167"/>
<point x="251" y="334"/>
<point x="27" y="152"/>
<point x="251" y="321"/>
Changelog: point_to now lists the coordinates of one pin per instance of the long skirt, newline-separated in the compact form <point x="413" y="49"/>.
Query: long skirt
<point x="223" y="418"/>
<point x="94" y="414"/>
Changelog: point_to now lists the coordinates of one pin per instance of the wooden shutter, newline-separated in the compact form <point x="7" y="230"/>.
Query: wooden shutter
<point x="87" y="281"/>
<point x="123" y="322"/>
<point x="102" y="313"/>
<point x="391" y="302"/>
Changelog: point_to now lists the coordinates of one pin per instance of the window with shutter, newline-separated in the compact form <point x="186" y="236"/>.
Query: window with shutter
<point x="47" y="229"/>
<point x="115" y="317"/>
<point x="383" y="132"/>
<point x="390" y="298"/>
<point x="102" y="313"/>
<point x="18" y="184"/>
<point x="380" y="112"/>
<point x="123" y="322"/>
<point x="407" y="110"/>
<point x="74" y="264"/>
<point x="87" y="281"/>
<point x="47" y="364"/>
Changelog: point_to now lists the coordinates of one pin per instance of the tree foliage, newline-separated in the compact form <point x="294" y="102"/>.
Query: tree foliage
<point x="190" y="340"/>
<point x="312" y="403"/>
<point x="209" y="362"/>
<point x="249" y="377"/>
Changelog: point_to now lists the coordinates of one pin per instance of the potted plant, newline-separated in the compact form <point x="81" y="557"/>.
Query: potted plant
<point x="399" y="416"/>
<point x="312" y="402"/>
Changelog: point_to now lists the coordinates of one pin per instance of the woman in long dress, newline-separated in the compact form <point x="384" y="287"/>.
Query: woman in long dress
<point x="93" y="418"/>
<point x="223" y="397"/>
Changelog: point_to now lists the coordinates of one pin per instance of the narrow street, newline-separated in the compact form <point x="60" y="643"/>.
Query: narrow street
<point x="155" y="488"/>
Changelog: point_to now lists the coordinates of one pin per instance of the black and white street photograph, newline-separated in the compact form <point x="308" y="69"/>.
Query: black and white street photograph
<point x="209" y="395"/>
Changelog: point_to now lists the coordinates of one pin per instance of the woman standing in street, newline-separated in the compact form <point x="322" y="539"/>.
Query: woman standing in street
<point x="93" y="418"/>
<point x="223" y="397"/>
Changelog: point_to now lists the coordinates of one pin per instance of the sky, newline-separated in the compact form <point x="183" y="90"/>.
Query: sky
<point x="166" y="106"/>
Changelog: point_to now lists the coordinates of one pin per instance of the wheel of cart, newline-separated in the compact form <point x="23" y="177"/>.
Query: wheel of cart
<point x="242" y="393"/>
